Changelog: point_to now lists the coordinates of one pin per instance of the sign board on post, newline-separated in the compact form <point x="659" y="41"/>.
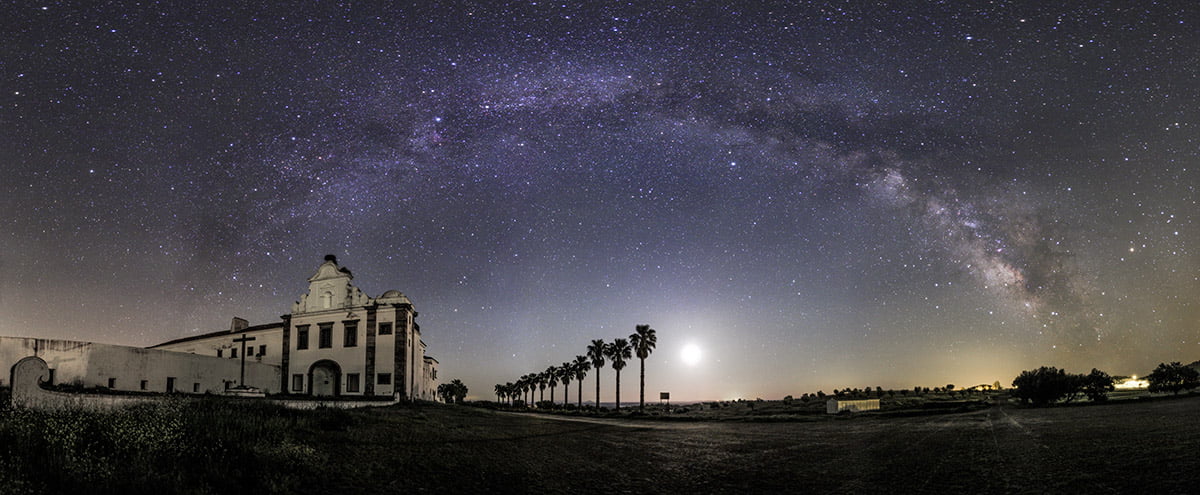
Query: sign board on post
<point x="665" y="396"/>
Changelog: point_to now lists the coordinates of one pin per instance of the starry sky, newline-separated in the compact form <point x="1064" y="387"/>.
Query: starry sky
<point x="816" y="194"/>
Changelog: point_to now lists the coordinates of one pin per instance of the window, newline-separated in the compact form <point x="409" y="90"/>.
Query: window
<point x="385" y="328"/>
<point x="233" y="352"/>
<point x="297" y="382"/>
<point x="352" y="382"/>
<point x="301" y="337"/>
<point x="262" y="350"/>
<point x="195" y="388"/>
<point x="143" y="385"/>
<point x="220" y="352"/>
<point x="170" y="384"/>
<point x="385" y="378"/>
<point x="327" y="299"/>
<point x="351" y="336"/>
<point x="325" y="337"/>
<point x="112" y="383"/>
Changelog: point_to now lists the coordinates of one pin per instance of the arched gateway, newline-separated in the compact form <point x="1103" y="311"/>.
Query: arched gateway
<point x="325" y="378"/>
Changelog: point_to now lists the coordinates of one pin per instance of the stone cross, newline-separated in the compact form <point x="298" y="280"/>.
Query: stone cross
<point x="243" y="340"/>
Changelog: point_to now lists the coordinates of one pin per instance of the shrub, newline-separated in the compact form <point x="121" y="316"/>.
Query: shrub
<point x="1045" y="385"/>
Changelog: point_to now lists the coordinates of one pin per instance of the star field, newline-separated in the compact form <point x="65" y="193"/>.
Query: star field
<point x="818" y="194"/>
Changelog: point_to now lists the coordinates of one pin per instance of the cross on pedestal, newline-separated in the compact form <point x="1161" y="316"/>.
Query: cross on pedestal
<point x="243" y="340"/>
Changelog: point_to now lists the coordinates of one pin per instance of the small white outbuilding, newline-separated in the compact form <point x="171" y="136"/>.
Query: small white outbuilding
<point x="834" y="406"/>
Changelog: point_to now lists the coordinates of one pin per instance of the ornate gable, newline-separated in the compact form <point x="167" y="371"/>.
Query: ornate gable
<point x="330" y="289"/>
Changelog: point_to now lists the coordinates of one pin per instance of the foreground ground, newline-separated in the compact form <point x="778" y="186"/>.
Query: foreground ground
<point x="1137" y="446"/>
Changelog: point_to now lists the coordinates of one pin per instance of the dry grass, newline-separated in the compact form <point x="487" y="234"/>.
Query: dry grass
<point x="213" y="446"/>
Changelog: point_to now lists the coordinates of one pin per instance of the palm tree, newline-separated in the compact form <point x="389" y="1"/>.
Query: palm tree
<point x="552" y="378"/>
<point x="618" y="351"/>
<point x="541" y="385"/>
<point x="581" y="367"/>
<point x="565" y="373"/>
<point x="499" y="391"/>
<point x="595" y="352"/>
<point x="527" y="386"/>
<point x="643" y="341"/>
<point x="510" y="390"/>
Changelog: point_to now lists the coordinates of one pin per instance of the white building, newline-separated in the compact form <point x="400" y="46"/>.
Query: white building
<point x="337" y="341"/>
<point x="834" y="406"/>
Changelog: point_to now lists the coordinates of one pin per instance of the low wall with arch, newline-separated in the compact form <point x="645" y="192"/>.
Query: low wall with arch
<point x="29" y="374"/>
<point x="27" y="377"/>
<point x="133" y="369"/>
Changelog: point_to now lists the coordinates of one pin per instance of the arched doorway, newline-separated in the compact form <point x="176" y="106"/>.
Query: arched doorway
<point x="325" y="378"/>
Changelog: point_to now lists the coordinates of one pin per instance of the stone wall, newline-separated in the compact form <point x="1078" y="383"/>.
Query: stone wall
<point x="123" y="368"/>
<point x="29" y="373"/>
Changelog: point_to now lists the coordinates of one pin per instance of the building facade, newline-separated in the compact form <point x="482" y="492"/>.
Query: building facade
<point x="336" y="341"/>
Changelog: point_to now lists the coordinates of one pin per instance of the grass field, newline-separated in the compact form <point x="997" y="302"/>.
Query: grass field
<point x="221" y="446"/>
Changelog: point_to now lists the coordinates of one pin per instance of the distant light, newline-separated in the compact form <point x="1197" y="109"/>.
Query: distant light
<point x="1132" y="383"/>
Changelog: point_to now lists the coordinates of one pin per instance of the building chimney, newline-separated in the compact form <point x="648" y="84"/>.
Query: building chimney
<point x="238" y="325"/>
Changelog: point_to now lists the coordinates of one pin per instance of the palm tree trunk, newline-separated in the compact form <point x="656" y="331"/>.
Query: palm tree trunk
<point x="597" y="389"/>
<point x="580" y="406"/>
<point x="618" y="390"/>
<point x="642" y="397"/>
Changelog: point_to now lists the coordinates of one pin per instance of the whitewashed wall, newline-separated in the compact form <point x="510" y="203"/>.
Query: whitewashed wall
<point x="92" y="365"/>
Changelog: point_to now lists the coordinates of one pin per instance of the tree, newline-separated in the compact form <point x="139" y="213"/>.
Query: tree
<point x="643" y="341"/>
<point x="596" y="352"/>
<point x="617" y="352"/>
<point x="552" y="379"/>
<point x="1046" y="385"/>
<point x="499" y="392"/>
<point x="1173" y="378"/>
<point x="528" y="385"/>
<point x="452" y="392"/>
<point x="1097" y="385"/>
<point x="541" y="385"/>
<point x="565" y="373"/>
<point x="581" y="367"/>
<point x="460" y="390"/>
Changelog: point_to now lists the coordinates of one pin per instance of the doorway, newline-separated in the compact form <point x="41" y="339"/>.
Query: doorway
<point x="324" y="378"/>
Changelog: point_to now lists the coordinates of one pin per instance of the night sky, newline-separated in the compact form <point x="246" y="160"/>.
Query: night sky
<point x="817" y="195"/>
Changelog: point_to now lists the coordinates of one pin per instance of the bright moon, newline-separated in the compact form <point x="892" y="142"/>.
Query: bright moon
<point x="690" y="355"/>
